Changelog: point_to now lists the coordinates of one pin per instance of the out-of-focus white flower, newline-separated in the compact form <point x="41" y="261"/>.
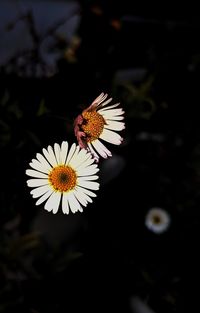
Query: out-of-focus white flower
<point x="99" y="122"/>
<point x="157" y="220"/>
<point x="63" y="175"/>
<point x="139" y="306"/>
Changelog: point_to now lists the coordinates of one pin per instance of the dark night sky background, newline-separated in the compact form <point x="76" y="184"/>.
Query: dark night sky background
<point x="55" y="58"/>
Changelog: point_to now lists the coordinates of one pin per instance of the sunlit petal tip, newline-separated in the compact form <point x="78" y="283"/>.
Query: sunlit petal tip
<point x="28" y="183"/>
<point x="48" y="209"/>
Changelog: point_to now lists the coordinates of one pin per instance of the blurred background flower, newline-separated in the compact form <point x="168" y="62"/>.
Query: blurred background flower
<point x="157" y="220"/>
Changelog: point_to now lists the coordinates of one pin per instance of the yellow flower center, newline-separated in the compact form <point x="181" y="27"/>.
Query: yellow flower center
<point x="62" y="178"/>
<point x="93" y="125"/>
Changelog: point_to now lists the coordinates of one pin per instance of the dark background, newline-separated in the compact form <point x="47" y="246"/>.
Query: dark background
<point x="105" y="258"/>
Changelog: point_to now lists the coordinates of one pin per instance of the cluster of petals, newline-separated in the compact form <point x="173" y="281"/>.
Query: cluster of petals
<point x="112" y="117"/>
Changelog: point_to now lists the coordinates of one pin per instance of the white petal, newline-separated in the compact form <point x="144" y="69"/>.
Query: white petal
<point x="71" y="152"/>
<point x="63" y="152"/>
<point x="52" y="154"/>
<point x="98" y="149"/>
<point x="38" y="192"/>
<point x="75" y="157"/>
<point x="91" y="177"/>
<point x="96" y="100"/>
<point x="88" y="199"/>
<point x="115" y="118"/>
<point x="82" y="197"/>
<point x="73" y="203"/>
<point x="89" y="184"/>
<point x="35" y="164"/>
<point x="53" y="202"/>
<point x="111" y="137"/>
<point x="85" y="191"/>
<point x="65" y="204"/>
<point x="90" y="170"/>
<point x="85" y="163"/>
<point x="80" y="209"/>
<point x="37" y="182"/>
<point x="44" y="197"/>
<point x="111" y="117"/>
<point x="115" y="125"/>
<point x="109" y="106"/>
<point x="50" y="157"/>
<point x="99" y="99"/>
<point x="43" y="161"/>
<point x="81" y="157"/>
<point x="57" y="152"/>
<point x="36" y="174"/>
<point x="94" y="154"/>
<point x="104" y="96"/>
<point x="101" y="149"/>
<point x="112" y="112"/>
<point x="106" y="102"/>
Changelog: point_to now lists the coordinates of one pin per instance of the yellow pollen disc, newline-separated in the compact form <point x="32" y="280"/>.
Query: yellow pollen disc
<point x="62" y="178"/>
<point x="93" y="125"/>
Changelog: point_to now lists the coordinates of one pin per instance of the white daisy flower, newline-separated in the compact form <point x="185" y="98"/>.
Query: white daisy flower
<point x="99" y="122"/>
<point x="157" y="220"/>
<point x="63" y="175"/>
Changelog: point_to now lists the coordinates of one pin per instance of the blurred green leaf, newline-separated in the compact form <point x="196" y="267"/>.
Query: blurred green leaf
<point x="15" y="110"/>
<point x="4" y="100"/>
<point x="23" y="244"/>
<point x="42" y="108"/>
<point x="139" y="103"/>
<point x="66" y="259"/>
<point x="5" y="133"/>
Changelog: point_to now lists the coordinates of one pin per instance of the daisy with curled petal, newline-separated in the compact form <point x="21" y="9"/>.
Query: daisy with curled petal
<point x="99" y="121"/>
<point x="63" y="175"/>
